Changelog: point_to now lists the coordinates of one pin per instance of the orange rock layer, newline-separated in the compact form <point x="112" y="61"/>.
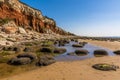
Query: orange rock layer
<point x="28" y="21"/>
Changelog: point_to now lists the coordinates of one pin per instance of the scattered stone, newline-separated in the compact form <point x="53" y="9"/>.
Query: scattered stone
<point x="117" y="52"/>
<point x="19" y="61"/>
<point x="10" y="27"/>
<point x="11" y="39"/>
<point x="45" y="60"/>
<point x="81" y="52"/>
<point x="105" y="67"/>
<point x="21" y="30"/>
<point x="77" y="45"/>
<point x="60" y="50"/>
<point x="71" y="54"/>
<point x="46" y="49"/>
<point x="27" y="49"/>
<point x="28" y="55"/>
<point x="100" y="53"/>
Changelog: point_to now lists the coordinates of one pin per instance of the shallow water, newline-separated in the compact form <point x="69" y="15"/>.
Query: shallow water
<point x="89" y="47"/>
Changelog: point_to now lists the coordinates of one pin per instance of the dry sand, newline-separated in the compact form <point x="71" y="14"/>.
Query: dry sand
<point x="76" y="70"/>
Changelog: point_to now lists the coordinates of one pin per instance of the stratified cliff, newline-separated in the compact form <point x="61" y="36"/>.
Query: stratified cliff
<point x="27" y="17"/>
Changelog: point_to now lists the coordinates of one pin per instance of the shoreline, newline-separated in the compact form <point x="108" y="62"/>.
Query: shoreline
<point x="75" y="70"/>
<point x="106" y="44"/>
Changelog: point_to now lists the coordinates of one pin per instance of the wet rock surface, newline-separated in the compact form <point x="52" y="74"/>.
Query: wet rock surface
<point x="105" y="67"/>
<point x="100" y="53"/>
<point x="45" y="60"/>
<point x="19" y="61"/>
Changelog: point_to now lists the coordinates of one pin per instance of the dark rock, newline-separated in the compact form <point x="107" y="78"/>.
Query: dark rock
<point x="83" y="43"/>
<point x="60" y="50"/>
<point x="117" y="52"/>
<point x="71" y="54"/>
<point x="28" y="55"/>
<point x="105" y="67"/>
<point x="77" y="45"/>
<point x="100" y="53"/>
<point x="17" y="49"/>
<point x="19" y="61"/>
<point x="48" y="50"/>
<point x="27" y="49"/>
<point x="45" y="60"/>
<point x="81" y="52"/>
<point x="8" y="48"/>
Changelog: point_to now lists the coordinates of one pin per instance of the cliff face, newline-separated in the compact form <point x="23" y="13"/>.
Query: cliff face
<point x="27" y="17"/>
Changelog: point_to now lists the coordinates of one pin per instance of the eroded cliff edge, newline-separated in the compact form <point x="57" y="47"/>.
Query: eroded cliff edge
<point x="28" y="17"/>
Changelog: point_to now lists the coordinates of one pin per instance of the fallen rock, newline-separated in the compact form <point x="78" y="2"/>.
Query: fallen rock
<point x="45" y="60"/>
<point x="100" y="53"/>
<point x="117" y="52"/>
<point x="27" y="49"/>
<point x="71" y="54"/>
<point x="60" y="50"/>
<point x="19" y="61"/>
<point x="10" y="27"/>
<point x="105" y="67"/>
<point x="28" y="55"/>
<point x="47" y="50"/>
<point x="81" y="52"/>
<point x="21" y="30"/>
<point x="77" y="45"/>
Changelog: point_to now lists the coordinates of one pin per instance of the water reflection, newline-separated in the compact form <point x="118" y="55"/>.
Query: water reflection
<point x="89" y="47"/>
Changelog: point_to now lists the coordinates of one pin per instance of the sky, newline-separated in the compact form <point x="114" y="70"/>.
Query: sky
<point x="82" y="17"/>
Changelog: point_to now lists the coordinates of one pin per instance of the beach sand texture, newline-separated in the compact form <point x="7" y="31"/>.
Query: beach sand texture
<point x="76" y="70"/>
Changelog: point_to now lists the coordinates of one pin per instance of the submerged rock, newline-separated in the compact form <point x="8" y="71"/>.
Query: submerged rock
<point x="60" y="50"/>
<point x="71" y="54"/>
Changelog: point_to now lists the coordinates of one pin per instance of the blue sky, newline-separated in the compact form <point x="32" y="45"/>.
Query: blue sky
<point x="82" y="17"/>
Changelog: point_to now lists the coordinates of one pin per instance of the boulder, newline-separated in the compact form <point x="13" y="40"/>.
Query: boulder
<point x="81" y="52"/>
<point x="71" y="54"/>
<point x="27" y="49"/>
<point x="7" y="48"/>
<point x="100" y="53"/>
<point x="46" y="50"/>
<point x="17" y="49"/>
<point x="10" y="27"/>
<point x="77" y="45"/>
<point x="19" y="61"/>
<point x="45" y="60"/>
<point x="21" y="30"/>
<point x="117" y="52"/>
<point x="105" y="67"/>
<point x="60" y="50"/>
<point x="28" y="55"/>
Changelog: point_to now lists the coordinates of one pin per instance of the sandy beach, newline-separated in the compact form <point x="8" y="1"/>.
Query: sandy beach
<point x="106" y="44"/>
<point x="76" y="70"/>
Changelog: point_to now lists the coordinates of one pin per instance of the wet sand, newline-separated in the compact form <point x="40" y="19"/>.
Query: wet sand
<point x="106" y="44"/>
<point x="76" y="70"/>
